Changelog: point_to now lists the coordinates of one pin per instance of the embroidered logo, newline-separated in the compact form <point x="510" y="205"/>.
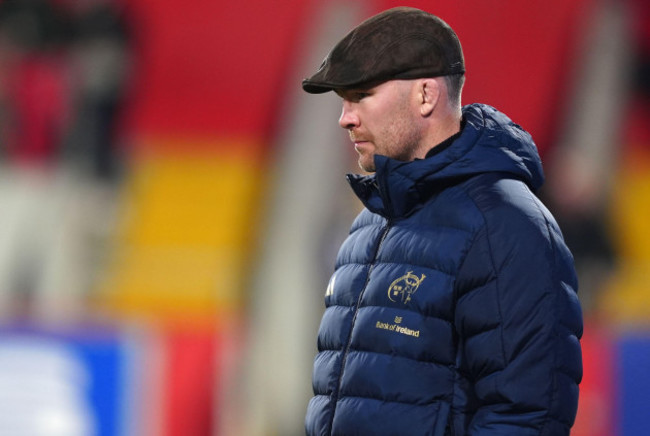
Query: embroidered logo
<point x="405" y="286"/>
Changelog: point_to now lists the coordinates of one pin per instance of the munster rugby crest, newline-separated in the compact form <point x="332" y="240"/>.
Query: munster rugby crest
<point x="402" y="288"/>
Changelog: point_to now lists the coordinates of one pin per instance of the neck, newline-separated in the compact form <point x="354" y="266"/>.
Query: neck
<point x="448" y="128"/>
<point x="439" y="131"/>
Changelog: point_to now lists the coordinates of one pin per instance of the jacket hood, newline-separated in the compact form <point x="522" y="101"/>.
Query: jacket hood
<point x="489" y="142"/>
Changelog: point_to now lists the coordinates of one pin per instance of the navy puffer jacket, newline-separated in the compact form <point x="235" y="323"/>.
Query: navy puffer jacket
<point x="453" y="307"/>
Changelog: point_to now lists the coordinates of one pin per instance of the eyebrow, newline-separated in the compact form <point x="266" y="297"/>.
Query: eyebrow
<point x="351" y="91"/>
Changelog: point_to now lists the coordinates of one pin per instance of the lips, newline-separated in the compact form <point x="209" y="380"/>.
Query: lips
<point x="356" y="139"/>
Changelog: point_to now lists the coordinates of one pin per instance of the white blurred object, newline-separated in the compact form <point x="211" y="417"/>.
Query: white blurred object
<point x="583" y="163"/>
<point x="43" y="390"/>
<point x="53" y="224"/>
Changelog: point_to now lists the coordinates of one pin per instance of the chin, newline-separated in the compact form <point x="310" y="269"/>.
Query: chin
<point x="367" y="163"/>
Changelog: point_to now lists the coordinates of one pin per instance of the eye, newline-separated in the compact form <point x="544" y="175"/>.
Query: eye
<point x="357" y="96"/>
<point x="353" y="96"/>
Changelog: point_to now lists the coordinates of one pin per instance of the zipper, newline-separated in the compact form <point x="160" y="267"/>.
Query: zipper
<point x="450" y="425"/>
<point x="354" y="318"/>
<point x="443" y="425"/>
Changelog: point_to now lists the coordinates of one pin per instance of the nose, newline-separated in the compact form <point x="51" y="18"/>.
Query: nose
<point x="349" y="118"/>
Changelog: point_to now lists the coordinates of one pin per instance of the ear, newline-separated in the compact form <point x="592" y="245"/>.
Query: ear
<point x="428" y="95"/>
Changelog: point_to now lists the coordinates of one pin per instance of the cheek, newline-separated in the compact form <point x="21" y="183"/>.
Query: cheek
<point x="395" y="125"/>
<point x="400" y="138"/>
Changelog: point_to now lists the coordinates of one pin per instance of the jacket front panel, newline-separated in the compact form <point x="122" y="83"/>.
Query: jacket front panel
<point x="391" y="340"/>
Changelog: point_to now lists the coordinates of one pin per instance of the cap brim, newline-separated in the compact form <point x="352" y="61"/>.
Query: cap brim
<point x="316" y="87"/>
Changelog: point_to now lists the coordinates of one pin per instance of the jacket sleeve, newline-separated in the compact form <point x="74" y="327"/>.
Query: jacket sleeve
<point x="519" y="322"/>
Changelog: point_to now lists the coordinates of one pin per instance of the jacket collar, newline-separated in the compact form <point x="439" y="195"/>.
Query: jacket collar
<point x="488" y="142"/>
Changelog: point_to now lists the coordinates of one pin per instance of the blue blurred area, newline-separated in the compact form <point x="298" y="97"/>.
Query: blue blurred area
<point x="634" y="361"/>
<point x="57" y="383"/>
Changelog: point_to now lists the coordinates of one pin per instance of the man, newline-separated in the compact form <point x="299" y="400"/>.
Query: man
<point x="452" y="309"/>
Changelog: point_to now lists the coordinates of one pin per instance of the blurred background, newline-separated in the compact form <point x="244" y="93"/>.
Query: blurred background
<point x="171" y="202"/>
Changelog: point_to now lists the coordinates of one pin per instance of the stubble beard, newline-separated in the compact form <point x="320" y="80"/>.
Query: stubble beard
<point x="399" y="141"/>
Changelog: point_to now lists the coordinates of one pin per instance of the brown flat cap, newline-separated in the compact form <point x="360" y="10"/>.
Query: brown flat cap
<point x="399" y="43"/>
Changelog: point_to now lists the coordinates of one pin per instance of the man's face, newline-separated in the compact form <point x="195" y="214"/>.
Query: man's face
<point x="382" y="120"/>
